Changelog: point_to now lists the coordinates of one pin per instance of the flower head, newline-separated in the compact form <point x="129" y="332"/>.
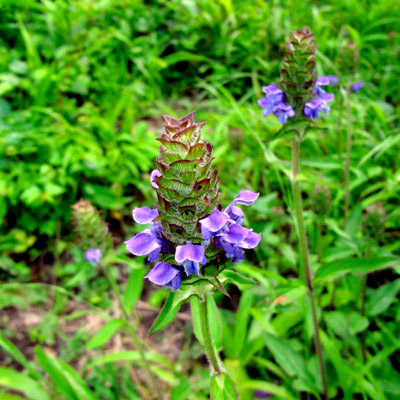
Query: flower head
<point x="191" y="256"/>
<point x="93" y="256"/>
<point x="355" y="87"/>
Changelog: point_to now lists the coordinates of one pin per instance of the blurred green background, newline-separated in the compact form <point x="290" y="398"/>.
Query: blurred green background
<point x="83" y="86"/>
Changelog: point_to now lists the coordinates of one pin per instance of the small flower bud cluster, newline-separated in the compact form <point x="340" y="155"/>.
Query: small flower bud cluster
<point x="92" y="231"/>
<point x="298" y="93"/>
<point x="188" y="228"/>
<point x="321" y="200"/>
<point x="374" y="221"/>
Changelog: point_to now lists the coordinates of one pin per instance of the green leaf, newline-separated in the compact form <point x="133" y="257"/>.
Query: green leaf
<point x="290" y="361"/>
<point x="223" y="388"/>
<point x="65" y="379"/>
<point x="278" y="391"/>
<point x="356" y="266"/>
<point x="128" y="355"/>
<point x="19" y="357"/>
<point x="195" y="287"/>
<point x="379" y="300"/>
<point x="133" y="289"/>
<point x="182" y="391"/>
<point x="166" y="316"/>
<point x="227" y="275"/>
<point x="53" y="369"/>
<point x="22" y="383"/>
<point x="105" y="333"/>
<point x="242" y="321"/>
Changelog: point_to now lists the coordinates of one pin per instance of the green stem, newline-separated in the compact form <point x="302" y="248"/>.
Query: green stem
<point x="131" y="328"/>
<point x="364" y="333"/>
<point x="319" y="241"/>
<point x="349" y="145"/>
<point x="212" y="355"/>
<point x="304" y="255"/>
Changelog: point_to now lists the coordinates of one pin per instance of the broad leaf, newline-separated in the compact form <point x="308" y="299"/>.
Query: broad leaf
<point x="356" y="266"/>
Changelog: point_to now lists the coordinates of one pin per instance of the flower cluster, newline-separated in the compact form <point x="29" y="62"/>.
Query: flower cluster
<point x="188" y="228"/>
<point x="92" y="231"/>
<point x="222" y="230"/>
<point x="298" y="93"/>
<point x="274" y="103"/>
<point x="322" y="98"/>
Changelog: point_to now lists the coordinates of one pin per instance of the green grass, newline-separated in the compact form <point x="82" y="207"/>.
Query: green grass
<point x="83" y="86"/>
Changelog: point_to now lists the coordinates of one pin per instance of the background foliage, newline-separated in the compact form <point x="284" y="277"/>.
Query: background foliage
<point x="83" y="85"/>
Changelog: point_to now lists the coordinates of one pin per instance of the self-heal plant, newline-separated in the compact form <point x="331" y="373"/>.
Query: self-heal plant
<point x="191" y="239"/>
<point x="298" y="92"/>
<point x="95" y="239"/>
<point x="306" y="95"/>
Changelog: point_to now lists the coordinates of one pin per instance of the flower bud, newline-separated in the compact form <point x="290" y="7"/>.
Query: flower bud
<point x="321" y="200"/>
<point x="92" y="231"/>
<point x="374" y="221"/>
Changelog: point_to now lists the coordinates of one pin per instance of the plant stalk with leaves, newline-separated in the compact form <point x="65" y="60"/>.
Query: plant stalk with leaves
<point x="95" y="238"/>
<point x="298" y="98"/>
<point x="192" y="239"/>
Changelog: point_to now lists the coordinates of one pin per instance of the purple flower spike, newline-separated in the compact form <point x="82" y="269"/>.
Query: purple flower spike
<point x="212" y="225"/>
<point x="155" y="173"/>
<point x="190" y="255"/>
<point x="144" y="215"/>
<point x="165" y="275"/>
<point x="355" y="87"/>
<point x="93" y="256"/>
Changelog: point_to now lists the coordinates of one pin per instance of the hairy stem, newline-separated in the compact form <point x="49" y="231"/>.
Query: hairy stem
<point x="152" y="381"/>
<point x="211" y="352"/>
<point x="298" y="207"/>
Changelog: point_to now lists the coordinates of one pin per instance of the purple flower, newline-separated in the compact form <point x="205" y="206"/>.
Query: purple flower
<point x="237" y="238"/>
<point x="318" y="104"/>
<point x="165" y="275"/>
<point x="355" y="87"/>
<point x="261" y="394"/>
<point x="155" y="174"/>
<point x="321" y="81"/>
<point x="333" y="79"/>
<point x="245" y="197"/>
<point x="148" y="242"/>
<point x="283" y="112"/>
<point x="273" y="103"/>
<point x="144" y="215"/>
<point x="273" y="96"/>
<point x="93" y="256"/>
<point x="213" y="224"/>
<point x="190" y="255"/>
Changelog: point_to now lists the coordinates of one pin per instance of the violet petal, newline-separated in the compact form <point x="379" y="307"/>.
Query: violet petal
<point x="144" y="215"/>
